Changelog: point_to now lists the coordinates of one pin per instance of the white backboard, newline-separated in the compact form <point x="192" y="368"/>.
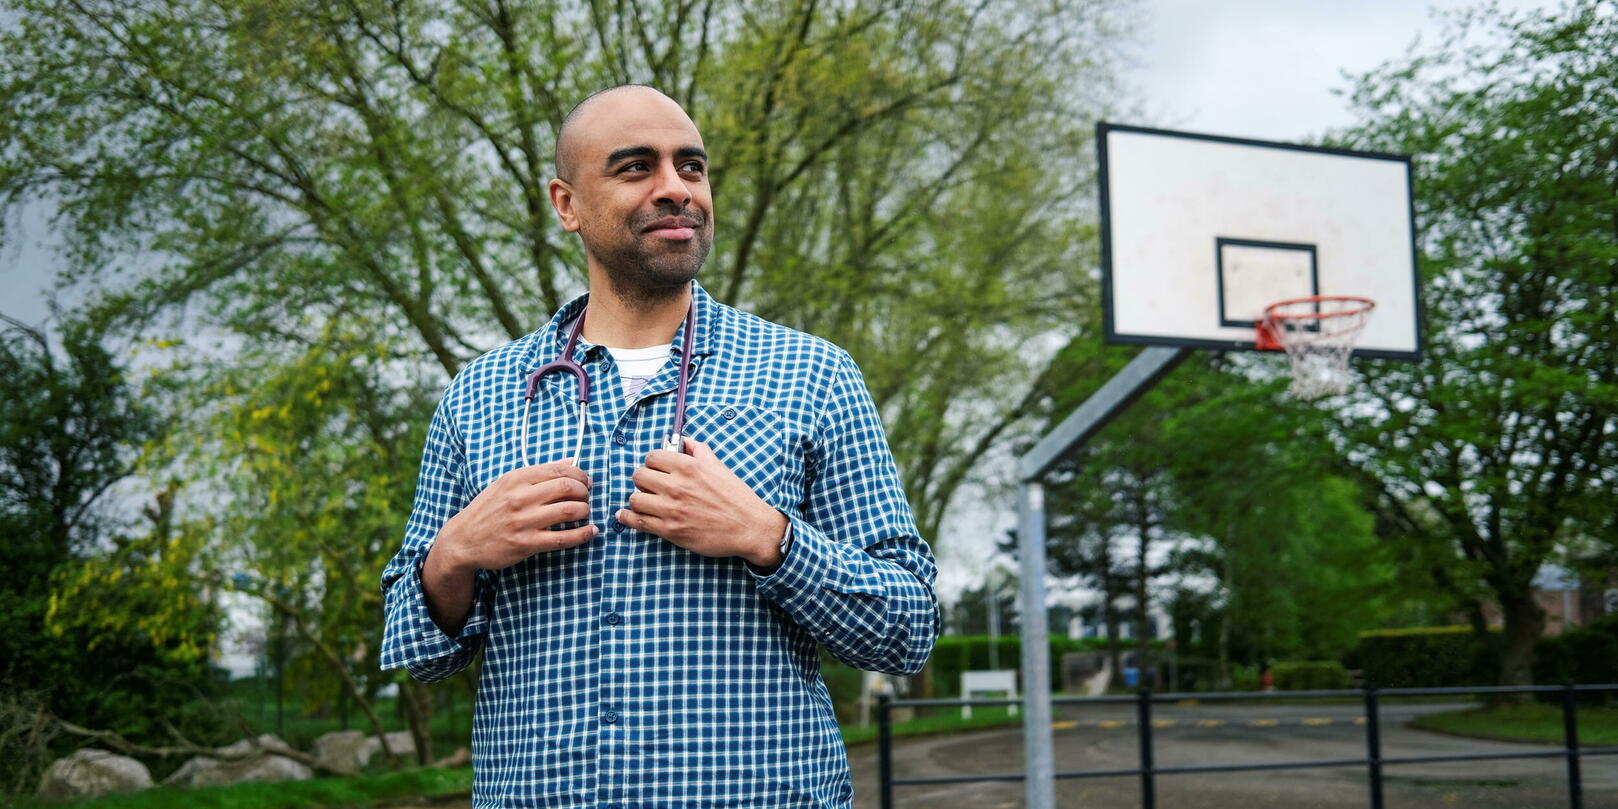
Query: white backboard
<point x="1201" y="232"/>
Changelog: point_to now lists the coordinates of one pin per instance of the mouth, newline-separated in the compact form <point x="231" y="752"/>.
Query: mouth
<point x="672" y="227"/>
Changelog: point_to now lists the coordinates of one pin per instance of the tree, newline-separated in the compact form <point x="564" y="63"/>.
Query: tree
<point x="72" y="429"/>
<point x="1499" y="447"/>
<point x="383" y="164"/>
<point x="1238" y="488"/>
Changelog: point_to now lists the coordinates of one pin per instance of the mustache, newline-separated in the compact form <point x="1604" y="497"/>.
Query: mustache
<point x="640" y="221"/>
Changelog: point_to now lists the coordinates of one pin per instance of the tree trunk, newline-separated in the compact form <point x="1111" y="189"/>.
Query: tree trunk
<point x="417" y="703"/>
<point x="1524" y="622"/>
<point x="1225" y="682"/>
<point x="1109" y="614"/>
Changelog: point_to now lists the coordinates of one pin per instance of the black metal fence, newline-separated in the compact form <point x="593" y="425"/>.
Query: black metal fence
<point x="1374" y="762"/>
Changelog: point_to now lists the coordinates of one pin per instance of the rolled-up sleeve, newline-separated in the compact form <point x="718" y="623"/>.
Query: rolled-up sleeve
<point x="857" y="576"/>
<point x="410" y="638"/>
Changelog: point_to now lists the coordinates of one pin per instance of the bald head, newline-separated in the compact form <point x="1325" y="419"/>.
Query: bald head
<point x="606" y="110"/>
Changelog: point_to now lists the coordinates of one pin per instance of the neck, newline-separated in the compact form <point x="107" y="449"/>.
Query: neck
<point x="633" y="320"/>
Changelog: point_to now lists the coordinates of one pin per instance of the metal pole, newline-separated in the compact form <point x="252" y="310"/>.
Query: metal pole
<point x="884" y="747"/>
<point x="994" y="624"/>
<point x="1038" y="745"/>
<point x="1570" y="731"/>
<point x="1143" y="717"/>
<point x="1373" y="746"/>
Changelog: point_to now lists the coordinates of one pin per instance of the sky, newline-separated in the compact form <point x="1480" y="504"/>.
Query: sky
<point x="1252" y="68"/>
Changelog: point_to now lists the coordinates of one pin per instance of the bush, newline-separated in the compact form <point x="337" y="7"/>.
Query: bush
<point x="1310" y="675"/>
<point x="953" y="654"/>
<point x="1587" y="655"/>
<point x="1426" y="657"/>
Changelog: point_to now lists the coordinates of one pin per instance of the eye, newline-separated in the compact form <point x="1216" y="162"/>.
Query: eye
<point x="693" y="167"/>
<point x="636" y="165"/>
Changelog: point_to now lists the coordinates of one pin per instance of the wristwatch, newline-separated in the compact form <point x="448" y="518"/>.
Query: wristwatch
<point x="786" y="540"/>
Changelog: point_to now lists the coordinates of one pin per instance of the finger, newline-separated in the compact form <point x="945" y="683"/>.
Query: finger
<point x="651" y="481"/>
<point x="665" y="461"/>
<point x="556" y="490"/>
<point x="542" y="541"/>
<point x="651" y="505"/>
<point x="698" y="450"/>
<point x="553" y="514"/>
<point x="642" y="522"/>
<point x="539" y="473"/>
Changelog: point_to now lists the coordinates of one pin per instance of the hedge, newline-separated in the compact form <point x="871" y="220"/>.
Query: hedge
<point x="1425" y="657"/>
<point x="1587" y="655"/>
<point x="953" y="654"/>
<point x="1311" y="675"/>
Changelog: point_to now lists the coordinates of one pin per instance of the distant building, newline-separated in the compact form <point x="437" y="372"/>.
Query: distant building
<point x="1568" y="601"/>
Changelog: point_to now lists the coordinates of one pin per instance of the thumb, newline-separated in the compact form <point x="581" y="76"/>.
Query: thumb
<point x="697" y="449"/>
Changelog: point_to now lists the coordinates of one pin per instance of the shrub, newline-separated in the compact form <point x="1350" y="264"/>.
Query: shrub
<point x="953" y="654"/>
<point x="1310" y="675"/>
<point x="1426" y="657"/>
<point x="1587" y="655"/>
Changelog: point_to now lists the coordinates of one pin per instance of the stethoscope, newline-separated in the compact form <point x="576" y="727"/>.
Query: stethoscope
<point x="675" y="441"/>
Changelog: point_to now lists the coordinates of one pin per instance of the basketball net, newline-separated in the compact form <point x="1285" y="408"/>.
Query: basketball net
<point x="1318" y="335"/>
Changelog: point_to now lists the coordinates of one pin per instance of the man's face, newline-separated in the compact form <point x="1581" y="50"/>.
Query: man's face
<point x="639" y="195"/>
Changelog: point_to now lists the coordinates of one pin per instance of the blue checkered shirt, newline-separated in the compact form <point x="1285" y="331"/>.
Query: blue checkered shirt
<point x="628" y="672"/>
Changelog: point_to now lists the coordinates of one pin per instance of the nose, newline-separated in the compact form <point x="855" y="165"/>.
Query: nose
<point x="670" y="189"/>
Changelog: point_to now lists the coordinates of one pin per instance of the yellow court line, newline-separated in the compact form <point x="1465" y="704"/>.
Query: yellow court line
<point x="1315" y="723"/>
<point x="1064" y="725"/>
<point x="1163" y="723"/>
<point x="1210" y="723"/>
<point x="1263" y="723"/>
<point x="1109" y="724"/>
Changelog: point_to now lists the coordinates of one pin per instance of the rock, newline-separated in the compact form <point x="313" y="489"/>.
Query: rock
<point x="400" y="741"/>
<point x="348" y="749"/>
<point x="89" y="772"/>
<point x="462" y="757"/>
<point x="267" y="741"/>
<point x="263" y="765"/>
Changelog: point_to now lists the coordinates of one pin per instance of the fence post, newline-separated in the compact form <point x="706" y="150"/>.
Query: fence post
<point x="1570" y="732"/>
<point x="1373" y="745"/>
<point x="1143" y="718"/>
<point x="884" y="748"/>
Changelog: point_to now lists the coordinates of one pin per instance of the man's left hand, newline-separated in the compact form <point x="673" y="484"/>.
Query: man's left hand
<point x="696" y="502"/>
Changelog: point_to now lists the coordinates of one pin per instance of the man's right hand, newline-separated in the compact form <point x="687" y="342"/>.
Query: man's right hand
<point x="511" y="520"/>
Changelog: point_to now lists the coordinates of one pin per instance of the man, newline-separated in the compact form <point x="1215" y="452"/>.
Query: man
<point x="663" y="651"/>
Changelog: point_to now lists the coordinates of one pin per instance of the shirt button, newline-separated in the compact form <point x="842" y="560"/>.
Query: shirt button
<point x="620" y="438"/>
<point x="612" y="618"/>
<point x="730" y="412"/>
<point x="609" y="717"/>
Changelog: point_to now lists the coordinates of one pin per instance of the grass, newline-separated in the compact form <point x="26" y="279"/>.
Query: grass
<point x="1529" y="722"/>
<point x="319" y="793"/>
<point x="947" y="720"/>
<point x="374" y="790"/>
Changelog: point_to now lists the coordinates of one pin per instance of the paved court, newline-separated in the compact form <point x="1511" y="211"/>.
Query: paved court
<point x="1103" y="738"/>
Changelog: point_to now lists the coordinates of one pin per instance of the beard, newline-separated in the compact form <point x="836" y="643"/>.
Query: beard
<point x="646" y="269"/>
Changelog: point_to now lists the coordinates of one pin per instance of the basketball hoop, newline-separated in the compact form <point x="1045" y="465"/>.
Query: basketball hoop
<point x="1318" y="334"/>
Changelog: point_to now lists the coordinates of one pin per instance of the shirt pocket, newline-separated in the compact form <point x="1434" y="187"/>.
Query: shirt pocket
<point x="751" y="441"/>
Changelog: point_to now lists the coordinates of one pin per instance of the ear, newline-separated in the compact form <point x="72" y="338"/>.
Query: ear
<point x="562" y="200"/>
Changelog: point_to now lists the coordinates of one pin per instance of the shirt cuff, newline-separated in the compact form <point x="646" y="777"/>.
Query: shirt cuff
<point x="786" y="548"/>
<point x="810" y="566"/>
<point x="418" y="637"/>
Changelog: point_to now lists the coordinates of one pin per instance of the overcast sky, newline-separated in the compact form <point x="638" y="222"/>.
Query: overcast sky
<point x="1255" y="68"/>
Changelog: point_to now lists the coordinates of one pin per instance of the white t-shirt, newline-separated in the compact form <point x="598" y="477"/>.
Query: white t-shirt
<point x="638" y="365"/>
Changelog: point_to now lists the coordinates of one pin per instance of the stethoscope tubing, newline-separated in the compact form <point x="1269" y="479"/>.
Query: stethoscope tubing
<point x="675" y="441"/>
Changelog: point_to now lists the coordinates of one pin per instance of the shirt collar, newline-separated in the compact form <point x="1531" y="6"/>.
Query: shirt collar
<point x="552" y="337"/>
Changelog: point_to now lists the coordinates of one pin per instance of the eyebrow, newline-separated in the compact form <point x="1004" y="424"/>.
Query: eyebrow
<point x="647" y="151"/>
